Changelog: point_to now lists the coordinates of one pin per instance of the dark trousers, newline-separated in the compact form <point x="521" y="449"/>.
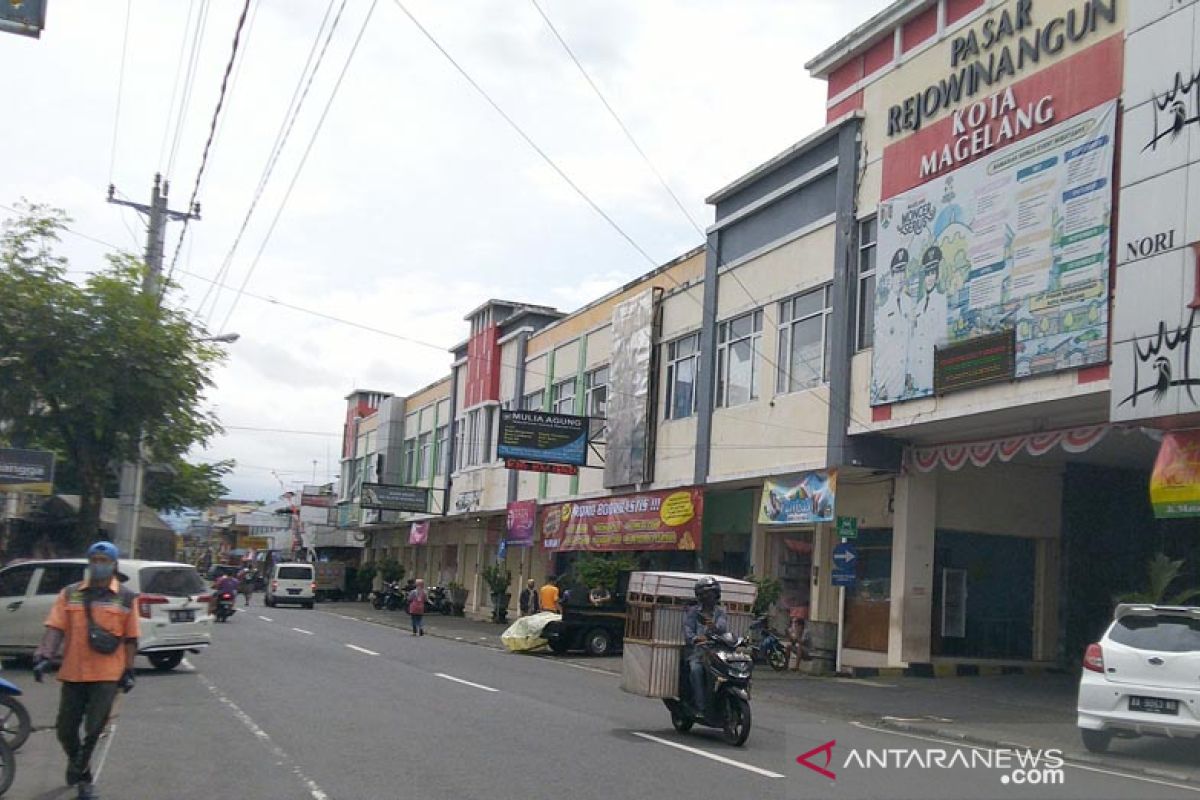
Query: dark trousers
<point x="87" y="704"/>
<point x="418" y="623"/>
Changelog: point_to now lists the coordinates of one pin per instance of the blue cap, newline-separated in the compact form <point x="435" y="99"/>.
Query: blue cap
<point x="106" y="549"/>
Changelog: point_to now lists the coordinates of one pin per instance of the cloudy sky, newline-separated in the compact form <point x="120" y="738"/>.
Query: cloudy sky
<point x="416" y="201"/>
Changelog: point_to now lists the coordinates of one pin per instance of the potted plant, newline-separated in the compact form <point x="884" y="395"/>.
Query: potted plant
<point x="498" y="579"/>
<point x="458" y="597"/>
<point x="769" y="591"/>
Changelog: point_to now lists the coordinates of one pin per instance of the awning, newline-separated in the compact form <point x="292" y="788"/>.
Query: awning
<point x="1175" y="482"/>
<point x="954" y="456"/>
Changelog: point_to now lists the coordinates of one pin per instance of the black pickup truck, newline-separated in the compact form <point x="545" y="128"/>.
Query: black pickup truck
<point x="598" y="629"/>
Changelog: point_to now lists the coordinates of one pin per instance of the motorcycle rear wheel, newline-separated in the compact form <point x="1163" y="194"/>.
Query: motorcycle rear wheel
<point x="778" y="659"/>
<point x="8" y="766"/>
<point x="679" y="719"/>
<point x="737" y="721"/>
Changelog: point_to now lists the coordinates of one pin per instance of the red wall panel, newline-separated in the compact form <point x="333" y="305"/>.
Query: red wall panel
<point x="918" y="29"/>
<point x="957" y="9"/>
<point x="851" y="103"/>
<point x="880" y="55"/>
<point x="845" y="76"/>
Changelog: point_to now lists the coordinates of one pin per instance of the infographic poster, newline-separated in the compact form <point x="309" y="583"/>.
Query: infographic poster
<point x="1019" y="240"/>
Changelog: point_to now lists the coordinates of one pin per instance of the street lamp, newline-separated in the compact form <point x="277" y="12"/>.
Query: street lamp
<point x="129" y="506"/>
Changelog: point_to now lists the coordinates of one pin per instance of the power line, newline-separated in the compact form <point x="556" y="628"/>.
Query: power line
<point x="529" y="141"/>
<point x="212" y="132"/>
<point x="300" y="167"/>
<point x="281" y="136"/>
<point x="112" y="157"/>
<point x="620" y="123"/>
<point x="162" y="148"/>
<point x="278" y="430"/>
<point x="189" y="83"/>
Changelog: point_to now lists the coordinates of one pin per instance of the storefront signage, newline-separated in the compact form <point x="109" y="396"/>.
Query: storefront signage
<point x="317" y="496"/>
<point x="30" y="471"/>
<point x="540" y="436"/>
<point x="1019" y="240"/>
<point x="997" y="49"/>
<point x="847" y="527"/>
<point x="1175" y="482"/>
<point x="802" y="499"/>
<point x="1155" y="365"/>
<point x="975" y="362"/>
<point x="394" y="498"/>
<point x="522" y="516"/>
<point x="539" y="466"/>
<point x="667" y="520"/>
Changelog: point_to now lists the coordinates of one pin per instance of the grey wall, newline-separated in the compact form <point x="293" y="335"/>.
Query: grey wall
<point x="787" y="215"/>
<point x="816" y="154"/>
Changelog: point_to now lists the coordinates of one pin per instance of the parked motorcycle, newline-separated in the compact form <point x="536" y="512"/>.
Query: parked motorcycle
<point x="226" y="606"/>
<point x="727" y="671"/>
<point x="438" y="601"/>
<point x="766" y="644"/>
<point x="15" y="724"/>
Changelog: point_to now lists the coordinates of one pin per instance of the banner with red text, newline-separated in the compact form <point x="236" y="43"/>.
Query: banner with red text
<point x="652" y="521"/>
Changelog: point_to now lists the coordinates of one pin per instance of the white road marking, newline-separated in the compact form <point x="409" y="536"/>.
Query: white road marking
<point x="301" y="630"/>
<point x="362" y="649"/>
<point x="766" y="773"/>
<point x="265" y="619"/>
<point x="1066" y="763"/>
<point x="861" y="682"/>
<point x="314" y="790"/>
<point x="465" y="683"/>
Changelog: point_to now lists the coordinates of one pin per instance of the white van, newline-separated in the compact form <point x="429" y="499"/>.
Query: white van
<point x="292" y="582"/>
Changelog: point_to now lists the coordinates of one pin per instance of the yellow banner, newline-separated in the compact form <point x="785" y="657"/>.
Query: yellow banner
<point x="1175" y="483"/>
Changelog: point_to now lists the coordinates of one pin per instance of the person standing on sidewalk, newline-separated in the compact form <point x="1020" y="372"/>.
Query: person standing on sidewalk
<point x="548" y="596"/>
<point x="94" y="625"/>
<point x="529" y="599"/>
<point x="416" y="608"/>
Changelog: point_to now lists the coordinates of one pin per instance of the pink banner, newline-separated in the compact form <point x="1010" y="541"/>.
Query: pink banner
<point x="419" y="534"/>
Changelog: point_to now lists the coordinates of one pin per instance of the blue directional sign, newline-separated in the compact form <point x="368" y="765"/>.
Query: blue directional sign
<point x="845" y="556"/>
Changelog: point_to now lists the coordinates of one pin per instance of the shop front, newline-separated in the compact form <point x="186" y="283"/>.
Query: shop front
<point x="795" y="516"/>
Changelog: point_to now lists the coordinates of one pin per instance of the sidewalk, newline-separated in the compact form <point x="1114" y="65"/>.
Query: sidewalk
<point x="461" y="629"/>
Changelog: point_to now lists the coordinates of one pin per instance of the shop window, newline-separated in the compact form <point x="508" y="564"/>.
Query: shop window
<point x="803" y="341"/>
<point x="562" y="397"/>
<point x="442" y="437"/>
<point x="410" y="461"/>
<point x="683" y="361"/>
<point x="534" y="400"/>
<point x="793" y="558"/>
<point x="425" y="456"/>
<point x="865" y="307"/>
<point x="596" y="383"/>
<point x="738" y="344"/>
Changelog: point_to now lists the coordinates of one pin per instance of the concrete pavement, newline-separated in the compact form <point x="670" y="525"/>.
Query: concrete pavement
<point x="292" y="703"/>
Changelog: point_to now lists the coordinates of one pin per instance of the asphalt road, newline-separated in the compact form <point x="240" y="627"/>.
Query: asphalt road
<point x="293" y="703"/>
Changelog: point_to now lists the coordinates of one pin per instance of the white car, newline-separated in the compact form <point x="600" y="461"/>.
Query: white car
<point x="173" y="604"/>
<point x="292" y="582"/>
<point x="1143" y="677"/>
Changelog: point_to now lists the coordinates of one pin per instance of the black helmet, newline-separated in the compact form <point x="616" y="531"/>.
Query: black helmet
<point x="708" y="586"/>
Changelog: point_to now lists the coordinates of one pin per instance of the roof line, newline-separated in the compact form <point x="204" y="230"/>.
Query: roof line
<point x="865" y="34"/>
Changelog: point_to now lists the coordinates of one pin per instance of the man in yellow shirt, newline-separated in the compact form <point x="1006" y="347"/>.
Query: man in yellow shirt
<point x="548" y="596"/>
<point x="94" y="624"/>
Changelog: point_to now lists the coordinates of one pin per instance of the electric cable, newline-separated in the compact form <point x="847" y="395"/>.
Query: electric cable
<point x="189" y="83"/>
<point x="300" y="167"/>
<point x="112" y="156"/>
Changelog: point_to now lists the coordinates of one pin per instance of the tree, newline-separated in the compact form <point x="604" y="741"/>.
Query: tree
<point x="1161" y="572"/>
<point x="601" y="572"/>
<point x="178" y="485"/>
<point x="85" y="369"/>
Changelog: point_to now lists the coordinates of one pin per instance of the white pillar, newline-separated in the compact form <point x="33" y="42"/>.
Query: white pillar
<point x="910" y="630"/>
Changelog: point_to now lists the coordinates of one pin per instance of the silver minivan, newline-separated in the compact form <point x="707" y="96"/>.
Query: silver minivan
<point x="292" y="582"/>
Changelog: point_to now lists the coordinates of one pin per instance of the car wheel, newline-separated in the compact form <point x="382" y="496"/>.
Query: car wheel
<point x="164" y="662"/>
<point x="15" y="724"/>
<point x="309" y="604"/>
<point x="268" y="602"/>
<point x="597" y="642"/>
<point x="1095" y="741"/>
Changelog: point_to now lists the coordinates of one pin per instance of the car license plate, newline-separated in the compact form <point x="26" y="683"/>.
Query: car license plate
<point x="183" y="616"/>
<point x="1154" y="705"/>
<point x="293" y="591"/>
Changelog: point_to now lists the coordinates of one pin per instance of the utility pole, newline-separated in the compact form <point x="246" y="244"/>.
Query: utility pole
<point x="133" y="474"/>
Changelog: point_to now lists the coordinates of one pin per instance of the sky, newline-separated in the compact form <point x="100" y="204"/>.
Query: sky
<point x="400" y="199"/>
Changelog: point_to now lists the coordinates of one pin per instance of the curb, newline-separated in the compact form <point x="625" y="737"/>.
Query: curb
<point x="1069" y="758"/>
<point x="447" y="637"/>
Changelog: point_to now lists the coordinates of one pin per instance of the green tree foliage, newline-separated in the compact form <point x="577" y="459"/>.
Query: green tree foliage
<point x="769" y="592"/>
<point x="598" y="571"/>
<point x="86" y="367"/>
<point x="177" y="484"/>
<point x="1161" y="572"/>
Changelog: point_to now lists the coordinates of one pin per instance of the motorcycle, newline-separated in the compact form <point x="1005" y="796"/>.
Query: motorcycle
<point x="15" y="724"/>
<point x="226" y="606"/>
<point x="766" y="644"/>
<point x="727" y="671"/>
<point x="438" y="601"/>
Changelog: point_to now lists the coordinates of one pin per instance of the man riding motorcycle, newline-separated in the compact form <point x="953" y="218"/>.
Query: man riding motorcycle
<point x="704" y="619"/>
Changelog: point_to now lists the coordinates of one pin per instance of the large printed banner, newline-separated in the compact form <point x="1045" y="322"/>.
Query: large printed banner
<point x="652" y="521"/>
<point x="1175" y="482"/>
<point x="1018" y="240"/>
<point x="802" y="499"/>
<point x="519" y="523"/>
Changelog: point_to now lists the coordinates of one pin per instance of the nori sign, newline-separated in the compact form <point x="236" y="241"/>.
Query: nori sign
<point x="29" y="471"/>
<point x="539" y="436"/>
<point x="975" y="362"/>
<point x="384" y="497"/>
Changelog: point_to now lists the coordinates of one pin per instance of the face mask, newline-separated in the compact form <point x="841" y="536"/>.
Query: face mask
<point x="101" y="572"/>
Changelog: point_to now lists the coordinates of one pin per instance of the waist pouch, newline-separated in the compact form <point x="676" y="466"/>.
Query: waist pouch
<point x="99" y="639"/>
